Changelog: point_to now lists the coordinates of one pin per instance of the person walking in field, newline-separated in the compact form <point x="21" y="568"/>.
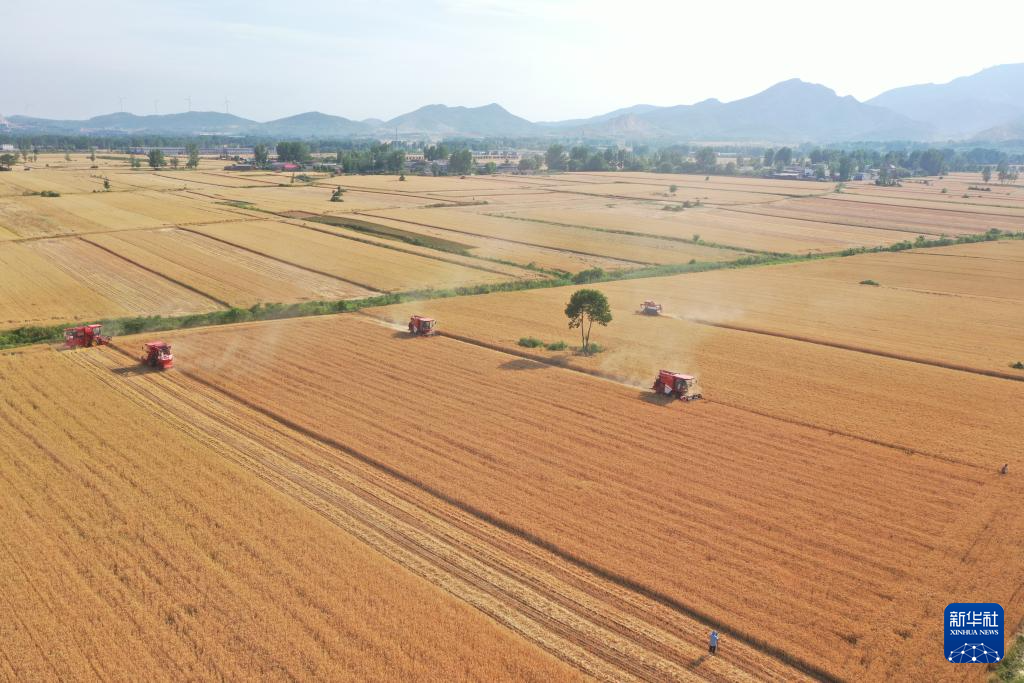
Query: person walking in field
<point x="713" y="642"/>
<point x="1005" y="468"/>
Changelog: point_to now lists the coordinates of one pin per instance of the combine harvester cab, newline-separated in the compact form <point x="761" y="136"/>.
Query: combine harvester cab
<point x="683" y="387"/>
<point x="158" y="355"/>
<point x="85" y="336"/>
<point x="651" y="308"/>
<point x="422" y="327"/>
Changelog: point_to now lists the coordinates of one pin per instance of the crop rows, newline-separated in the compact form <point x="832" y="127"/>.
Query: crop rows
<point x="134" y="547"/>
<point x="227" y="273"/>
<point x="656" y="495"/>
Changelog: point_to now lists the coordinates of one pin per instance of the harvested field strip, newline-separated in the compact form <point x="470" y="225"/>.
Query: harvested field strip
<point x="379" y="230"/>
<point x="884" y="216"/>
<point x="394" y="193"/>
<point x="224" y="272"/>
<point x="608" y="632"/>
<point x="872" y="397"/>
<point x="500" y="250"/>
<point x="98" y="245"/>
<point x="463" y="260"/>
<point x="504" y="239"/>
<point x="916" y="204"/>
<point x="63" y="280"/>
<point x="720" y="225"/>
<point x="356" y="260"/>
<point x="197" y="231"/>
<point x="610" y="496"/>
<point x="862" y="349"/>
<point x="143" y="552"/>
<point x="638" y="249"/>
<point x="616" y="231"/>
<point x="560" y="363"/>
<point x="844" y="223"/>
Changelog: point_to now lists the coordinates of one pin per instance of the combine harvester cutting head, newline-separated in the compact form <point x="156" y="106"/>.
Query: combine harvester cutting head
<point x="158" y="355"/>
<point x="85" y="336"/>
<point x="422" y="327"/>
<point x="651" y="308"/>
<point x="681" y="386"/>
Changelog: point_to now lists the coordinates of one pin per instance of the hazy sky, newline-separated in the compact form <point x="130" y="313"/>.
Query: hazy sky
<point x="542" y="60"/>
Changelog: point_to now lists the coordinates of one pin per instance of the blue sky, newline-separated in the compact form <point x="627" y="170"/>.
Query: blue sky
<point x="543" y="60"/>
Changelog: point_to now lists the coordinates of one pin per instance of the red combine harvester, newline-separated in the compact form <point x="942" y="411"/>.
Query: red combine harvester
<point x="677" y="384"/>
<point x="84" y="335"/>
<point x="422" y="327"/>
<point x="158" y="355"/>
<point x="651" y="308"/>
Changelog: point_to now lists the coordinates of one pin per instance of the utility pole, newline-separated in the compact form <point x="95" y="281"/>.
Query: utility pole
<point x="121" y="102"/>
<point x="156" y="106"/>
<point x="227" y="106"/>
<point x="189" y="100"/>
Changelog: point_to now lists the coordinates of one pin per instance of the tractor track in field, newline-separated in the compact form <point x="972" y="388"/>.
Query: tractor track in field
<point x="608" y="630"/>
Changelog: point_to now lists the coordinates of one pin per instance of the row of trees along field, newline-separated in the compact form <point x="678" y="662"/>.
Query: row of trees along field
<point x="360" y="156"/>
<point x="835" y="163"/>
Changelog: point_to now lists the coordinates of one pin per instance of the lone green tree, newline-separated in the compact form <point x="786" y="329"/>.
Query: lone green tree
<point x="156" y="158"/>
<point x="986" y="173"/>
<point x="260" y="155"/>
<point x="586" y="307"/>
<point x="460" y="162"/>
<point x="193" y="156"/>
<point x="706" y="159"/>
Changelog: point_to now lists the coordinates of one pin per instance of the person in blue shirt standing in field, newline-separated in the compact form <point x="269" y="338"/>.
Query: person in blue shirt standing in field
<point x="713" y="642"/>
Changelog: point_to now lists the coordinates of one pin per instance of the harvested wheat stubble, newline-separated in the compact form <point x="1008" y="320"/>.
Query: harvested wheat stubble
<point x="810" y="566"/>
<point x="605" y="630"/>
<point x="133" y="289"/>
<point x="732" y="228"/>
<point x="64" y="181"/>
<point x="875" y="215"/>
<point x="660" y="193"/>
<point x="133" y="548"/>
<point x="770" y="186"/>
<point x="420" y="184"/>
<point x="471" y="260"/>
<point x="314" y="198"/>
<point x="940" y="203"/>
<point x="934" y="313"/>
<point x="495" y="248"/>
<point x="367" y="265"/>
<point x="874" y="398"/>
<point x="35" y="291"/>
<point x="629" y="247"/>
<point x="226" y="273"/>
<point x="31" y="217"/>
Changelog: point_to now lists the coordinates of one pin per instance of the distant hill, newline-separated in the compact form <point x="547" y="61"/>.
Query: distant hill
<point x="791" y="111"/>
<point x="187" y="123"/>
<point x="439" y="119"/>
<point x="986" y="106"/>
<point x="964" y="106"/>
<point x="317" y="125"/>
<point x="1011" y="130"/>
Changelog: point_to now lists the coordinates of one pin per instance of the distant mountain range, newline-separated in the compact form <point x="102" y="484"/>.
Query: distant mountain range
<point x="988" y="106"/>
